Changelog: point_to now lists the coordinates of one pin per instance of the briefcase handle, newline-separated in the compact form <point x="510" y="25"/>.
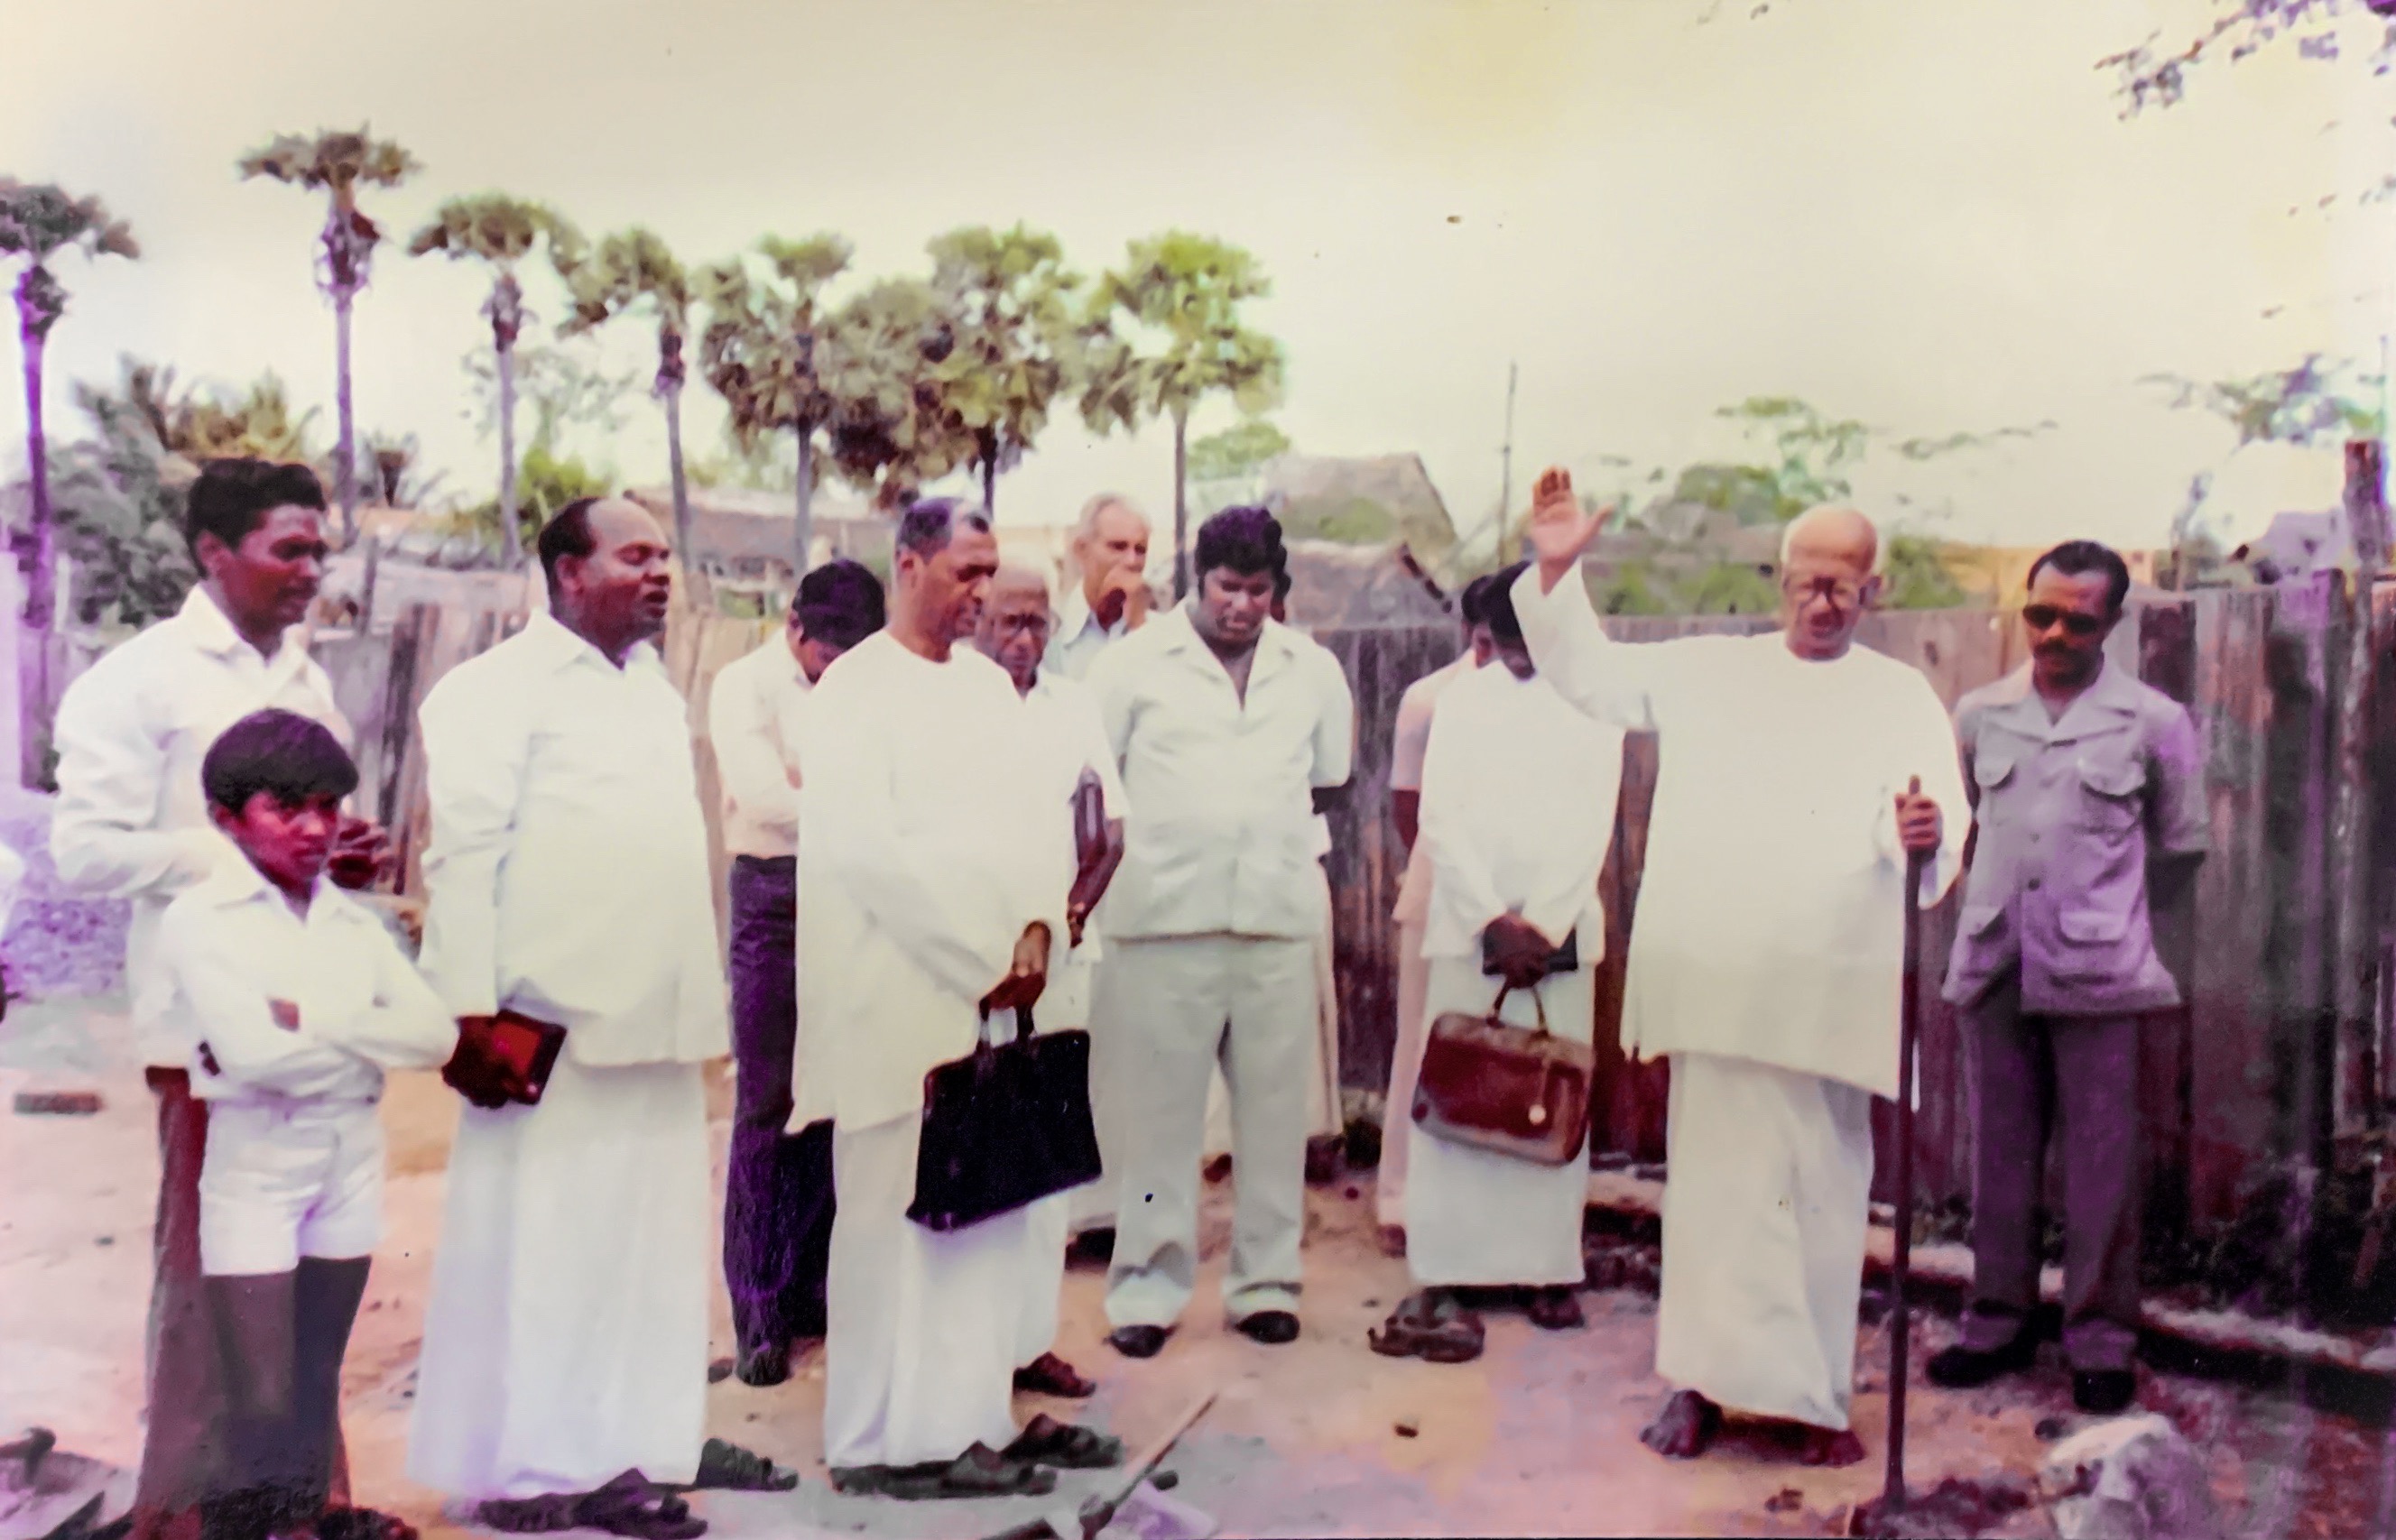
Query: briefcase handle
<point x="1537" y="1004"/>
<point x="1023" y="1028"/>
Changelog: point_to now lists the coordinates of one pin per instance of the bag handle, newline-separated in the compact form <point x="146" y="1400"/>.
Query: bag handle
<point x="1537" y="1005"/>
<point x="1023" y="1028"/>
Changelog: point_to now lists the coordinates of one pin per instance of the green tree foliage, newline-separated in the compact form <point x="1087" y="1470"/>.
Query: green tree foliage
<point x="1019" y="343"/>
<point x="1165" y="334"/>
<point x="1239" y="451"/>
<point x="764" y="353"/>
<point x="1916" y="579"/>
<point x="337" y="163"/>
<point x="2317" y="400"/>
<point x="893" y="430"/>
<point x="38" y="223"/>
<point x="499" y="232"/>
<point x="631" y="272"/>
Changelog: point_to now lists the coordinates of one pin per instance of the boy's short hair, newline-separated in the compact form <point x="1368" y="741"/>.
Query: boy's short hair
<point x="290" y="757"/>
<point x="839" y="604"/>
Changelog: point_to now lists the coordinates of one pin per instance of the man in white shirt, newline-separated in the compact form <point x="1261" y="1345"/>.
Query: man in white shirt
<point x="935" y="874"/>
<point x="777" y="1189"/>
<point x="1766" y="953"/>
<point x="1412" y="740"/>
<point x="565" y="1338"/>
<point x="1107" y="596"/>
<point x="1067" y="727"/>
<point x="132" y="822"/>
<point x="1230" y="733"/>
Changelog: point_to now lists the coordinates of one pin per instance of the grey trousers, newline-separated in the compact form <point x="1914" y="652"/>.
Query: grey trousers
<point x="1167" y="1012"/>
<point x="2076" y="1077"/>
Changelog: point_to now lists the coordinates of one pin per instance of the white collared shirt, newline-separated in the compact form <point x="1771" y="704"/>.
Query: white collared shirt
<point x="131" y="821"/>
<point x="1221" y="831"/>
<point x="231" y="944"/>
<point x="756" y="765"/>
<point x="932" y="834"/>
<point x="1079" y="639"/>
<point x="567" y="875"/>
<point x="1409" y="743"/>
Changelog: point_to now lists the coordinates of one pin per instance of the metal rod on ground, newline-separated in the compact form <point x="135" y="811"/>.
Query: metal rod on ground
<point x="1098" y="1512"/>
<point x="1901" y="1319"/>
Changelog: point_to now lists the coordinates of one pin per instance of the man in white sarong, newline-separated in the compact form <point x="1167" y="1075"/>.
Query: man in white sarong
<point x="1412" y="740"/>
<point x="1797" y="771"/>
<point x="935" y="876"/>
<point x="1065" y="726"/>
<point x="1518" y="803"/>
<point x="1231" y="735"/>
<point x="564" y="1362"/>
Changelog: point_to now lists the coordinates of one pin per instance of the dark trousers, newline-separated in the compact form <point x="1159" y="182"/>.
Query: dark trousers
<point x="282" y="1338"/>
<point x="185" y="1459"/>
<point x="2077" y="1078"/>
<point x="778" y="1195"/>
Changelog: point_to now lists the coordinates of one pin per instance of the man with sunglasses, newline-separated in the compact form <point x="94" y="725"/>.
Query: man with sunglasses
<point x="2087" y="791"/>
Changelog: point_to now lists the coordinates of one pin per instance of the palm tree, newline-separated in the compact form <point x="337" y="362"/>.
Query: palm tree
<point x="502" y="231"/>
<point x="760" y="353"/>
<point x="334" y="164"/>
<point x="623" y="271"/>
<point x="37" y="222"/>
<point x="1018" y="344"/>
<point x="1186" y="291"/>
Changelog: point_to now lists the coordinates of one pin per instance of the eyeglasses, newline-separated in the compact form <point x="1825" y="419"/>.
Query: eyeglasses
<point x="1840" y="593"/>
<point x="2040" y="617"/>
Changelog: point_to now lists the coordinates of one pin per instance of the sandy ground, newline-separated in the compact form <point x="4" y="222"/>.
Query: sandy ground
<point x="1537" y="1438"/>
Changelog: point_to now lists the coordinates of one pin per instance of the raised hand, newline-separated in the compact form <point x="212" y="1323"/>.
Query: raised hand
<point x="1559" y="530"/>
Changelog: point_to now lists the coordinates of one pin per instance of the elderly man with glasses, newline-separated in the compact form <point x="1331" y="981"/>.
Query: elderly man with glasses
<point x="2087" y="790"/>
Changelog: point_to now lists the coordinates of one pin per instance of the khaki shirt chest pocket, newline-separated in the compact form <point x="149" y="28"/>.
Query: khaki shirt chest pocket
<point x="2113" y="786"/>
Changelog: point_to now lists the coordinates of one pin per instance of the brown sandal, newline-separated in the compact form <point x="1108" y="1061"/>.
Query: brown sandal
<point x="1431" y="1326"/>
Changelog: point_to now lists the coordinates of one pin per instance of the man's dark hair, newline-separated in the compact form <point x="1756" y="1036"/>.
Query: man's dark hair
<point x="289" y="757"/>
<point x="567" y="533"/>
<point x="1283" y="582"/>
<point x="1498" y="604"/>
<point x="1248" y="540"/>
<point x="233" y="498"/>
<point x="2078" y="558"/>
<point x="1472" y="606"/>
<point x="839" y="604"/>
<point x="930" y="524"/>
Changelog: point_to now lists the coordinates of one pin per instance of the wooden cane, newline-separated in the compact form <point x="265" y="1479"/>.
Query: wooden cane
<point x="1892" y="1499"/>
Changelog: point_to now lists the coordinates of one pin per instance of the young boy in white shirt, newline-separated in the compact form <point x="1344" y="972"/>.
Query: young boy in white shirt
<point x="296" y="1000"/>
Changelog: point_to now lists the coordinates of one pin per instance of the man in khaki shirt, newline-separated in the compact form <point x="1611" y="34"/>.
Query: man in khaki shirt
<point x="2087" y="791"/>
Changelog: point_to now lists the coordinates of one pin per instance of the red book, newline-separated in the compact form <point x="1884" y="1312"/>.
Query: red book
<point x="529" y="1048"/>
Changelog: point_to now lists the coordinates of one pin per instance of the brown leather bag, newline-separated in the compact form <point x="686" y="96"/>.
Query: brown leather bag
<point x="1516" y="1091"/>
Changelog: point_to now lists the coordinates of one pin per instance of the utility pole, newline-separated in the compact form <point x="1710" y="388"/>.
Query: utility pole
<point x="1506" y="467"/>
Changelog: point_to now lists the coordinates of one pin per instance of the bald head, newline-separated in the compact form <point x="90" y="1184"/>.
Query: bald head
<point x="609" y="570"/>
<point x="1830" y="566"/>
<point x="1110" y="543"/>
<point x="1014" y="629"/>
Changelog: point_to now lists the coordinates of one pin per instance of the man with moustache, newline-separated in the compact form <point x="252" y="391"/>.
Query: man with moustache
<point x="2088" y="798"/>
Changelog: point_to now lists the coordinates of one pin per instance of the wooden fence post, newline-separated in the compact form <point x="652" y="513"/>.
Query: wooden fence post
<point x="2354" y="952"/>
<point x="408" y="643"/>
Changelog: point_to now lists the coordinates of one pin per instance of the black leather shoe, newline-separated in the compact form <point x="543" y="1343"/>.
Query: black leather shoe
<point x="1138" y="1342"/>
<point x="764" y="1365"/>
<point x="2104" y="1392"/>
<point x="1962" y="1368"/>
<point x="1270" y="1327"/>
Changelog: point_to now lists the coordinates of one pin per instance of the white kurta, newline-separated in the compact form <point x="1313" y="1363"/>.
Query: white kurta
<point x="931" y="835"/>
<point x="1518" y="805"/>
<point x="1766" y="959"/>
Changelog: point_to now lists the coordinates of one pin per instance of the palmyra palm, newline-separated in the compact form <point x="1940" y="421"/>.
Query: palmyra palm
<point x="624" y="272"/>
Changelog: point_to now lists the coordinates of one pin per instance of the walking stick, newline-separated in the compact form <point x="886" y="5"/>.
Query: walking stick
<point x="1892" y="1499"/>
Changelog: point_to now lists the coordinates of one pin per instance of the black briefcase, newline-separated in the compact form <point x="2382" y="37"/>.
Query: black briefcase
<point x="1007" y="1126"/>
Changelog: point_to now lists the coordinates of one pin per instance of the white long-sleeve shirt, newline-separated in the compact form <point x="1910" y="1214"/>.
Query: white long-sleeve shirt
<point x="929" y="840"/>
<point x="567" y="875"/>
<point x="231" y="945"/>
<point x="1221" y="833"/>
<point x="754" y="697"/>
<point x="131" y="821"/>
<point x="1770" y="918"/>
<point x="1519" y="790"/>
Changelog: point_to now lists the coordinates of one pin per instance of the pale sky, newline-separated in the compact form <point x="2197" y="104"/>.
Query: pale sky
<point x="1927" y="215"/>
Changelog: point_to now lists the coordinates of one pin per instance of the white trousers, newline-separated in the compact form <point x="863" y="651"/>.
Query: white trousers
<point x="565" y="1337"/>
<point x="1168" y="1012"/>
<point x="1406" y="1064"/>
<point x="1478" y="1218"/>
<point x="282" y="1182"/>
<point x="1047" y="1224"/>
<point x="919" y="1350"/>
<point x="1325" y="1116"/>
<point x="1767" y="1198"/>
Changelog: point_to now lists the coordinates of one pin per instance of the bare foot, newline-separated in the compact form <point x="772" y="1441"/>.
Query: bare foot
<point x="1686" y="1429"/>
<point x="1828" y="1446"/>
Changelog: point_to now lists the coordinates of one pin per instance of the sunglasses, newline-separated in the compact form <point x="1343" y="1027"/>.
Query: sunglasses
<point x="1842" y="594"/>
<point x="2040" y="617"/>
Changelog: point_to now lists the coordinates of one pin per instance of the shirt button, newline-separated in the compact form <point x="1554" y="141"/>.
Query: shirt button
<point x="2033" y="884"/>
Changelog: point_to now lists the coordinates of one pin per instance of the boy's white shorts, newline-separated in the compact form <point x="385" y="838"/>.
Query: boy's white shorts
<point x="281" y="1183"/>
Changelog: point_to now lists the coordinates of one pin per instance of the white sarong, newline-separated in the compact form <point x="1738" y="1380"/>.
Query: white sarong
<point x="1476" y="1217"/>
<point x="919" y="1354"/>
<point x="565" y="1338"/>
<point x="1767" y="1197"/>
